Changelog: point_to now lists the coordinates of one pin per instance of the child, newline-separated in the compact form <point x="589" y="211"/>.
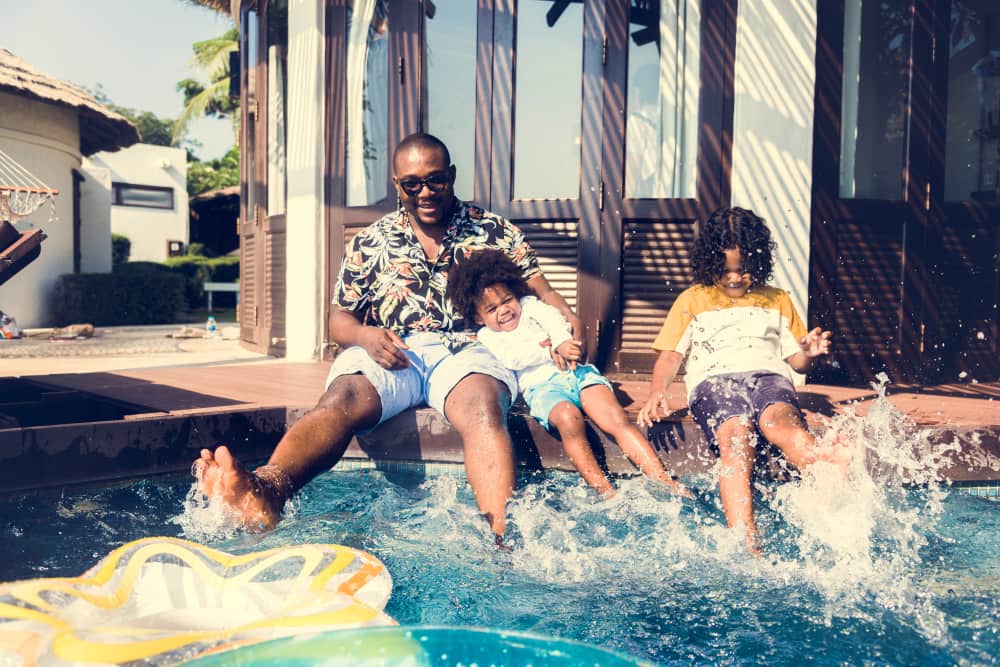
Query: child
<point x="522" y="332"/>
<point x="740" y="339"/>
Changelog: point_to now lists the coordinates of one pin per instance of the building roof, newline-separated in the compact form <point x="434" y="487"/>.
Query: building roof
<point x="231" y="191"/>
<point x="100" y="128"/>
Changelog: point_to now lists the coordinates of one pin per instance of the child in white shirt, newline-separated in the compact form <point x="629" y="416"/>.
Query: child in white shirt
<point x="529" y="337"/>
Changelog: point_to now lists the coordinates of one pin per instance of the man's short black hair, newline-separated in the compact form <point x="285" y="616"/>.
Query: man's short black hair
<point x="421" y="140"/>
<point x="469" y="278"/>
<point x="727" y="228"/>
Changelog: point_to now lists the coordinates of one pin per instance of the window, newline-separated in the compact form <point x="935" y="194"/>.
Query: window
<point x="144" y="196"/>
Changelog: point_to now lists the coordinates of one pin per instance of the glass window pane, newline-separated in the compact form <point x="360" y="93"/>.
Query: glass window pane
<point x="973" y="120"/>
<point x="249" y="132"/>
<point x="277" y="61"/>
<point x="367" y="101"/>
<point x="450" y="31"/>
<point x="548" y="100"/>
<point x="876" y="71"/>
<point x="661" y="139"/>
<point x="146" y="196"/>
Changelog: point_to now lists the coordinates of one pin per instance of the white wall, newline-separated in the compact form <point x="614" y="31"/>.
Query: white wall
<point x="305" y="149"/>
<point x="45" y="140"/>
<point x="773" y="129"/>
<point x="149" y="229"/>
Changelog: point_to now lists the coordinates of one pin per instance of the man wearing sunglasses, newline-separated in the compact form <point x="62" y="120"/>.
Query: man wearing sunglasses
<point x="403" y="345"/>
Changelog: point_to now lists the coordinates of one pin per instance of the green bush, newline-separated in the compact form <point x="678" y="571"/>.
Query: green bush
<point x="121" y="248"/>
<point x="199" y="270"/>
<point x="142" y="267"/>
<point x="112" y="299"/>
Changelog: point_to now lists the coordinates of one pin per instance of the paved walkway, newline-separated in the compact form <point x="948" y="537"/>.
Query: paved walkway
<point x="122" y="348"/>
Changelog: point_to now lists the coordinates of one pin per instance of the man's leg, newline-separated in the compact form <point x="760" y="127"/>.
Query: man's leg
<point x="313" y="444"/>
<point x="477" y="408"/>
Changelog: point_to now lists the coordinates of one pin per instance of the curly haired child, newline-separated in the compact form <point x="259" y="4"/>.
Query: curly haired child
<point x="739" y="340"/>
<point x="524" y="334"/>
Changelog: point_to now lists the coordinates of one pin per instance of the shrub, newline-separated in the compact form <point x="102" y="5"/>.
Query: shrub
<point x="199" y="270"/>
<point x="111" y="299"/>
<point x="121" y="248"/>
<point x="142" y="267"/>
<point x="198" y="250"/>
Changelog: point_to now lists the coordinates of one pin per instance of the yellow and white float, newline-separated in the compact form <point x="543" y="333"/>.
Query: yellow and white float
<point x="163" y="600"/>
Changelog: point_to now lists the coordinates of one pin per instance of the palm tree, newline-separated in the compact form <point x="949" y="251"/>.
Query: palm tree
<point x="213" y="100"/>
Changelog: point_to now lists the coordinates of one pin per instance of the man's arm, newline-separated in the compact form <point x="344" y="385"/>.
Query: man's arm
<point x="382" y="345"/>
<point x="546" y="294"/>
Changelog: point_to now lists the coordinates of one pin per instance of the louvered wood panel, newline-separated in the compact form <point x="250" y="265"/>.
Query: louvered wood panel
<point x="868" y="296"/>
<point x="557" y="246"/>
<point x="274" y="288"/>
<point x="655" y="269"/>
<point x="248" y="287"/>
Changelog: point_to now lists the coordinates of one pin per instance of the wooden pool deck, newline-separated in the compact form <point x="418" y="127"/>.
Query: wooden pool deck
<point x="168" y="414"/>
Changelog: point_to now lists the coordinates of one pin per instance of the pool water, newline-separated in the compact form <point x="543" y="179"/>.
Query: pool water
<point x="895" y="568"/>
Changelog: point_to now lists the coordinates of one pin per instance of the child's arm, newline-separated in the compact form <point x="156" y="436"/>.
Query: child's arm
<point x="568" y="350"/>
<point x="658" y="405"/>
<point x="813" y="345"/>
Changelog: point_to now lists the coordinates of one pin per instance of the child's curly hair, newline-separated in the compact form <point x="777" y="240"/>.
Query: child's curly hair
<point x="732" y="227"/>
<point x="469" y="278"/>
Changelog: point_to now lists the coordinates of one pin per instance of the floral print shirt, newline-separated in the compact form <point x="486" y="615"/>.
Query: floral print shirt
<point x="387" y="281"/>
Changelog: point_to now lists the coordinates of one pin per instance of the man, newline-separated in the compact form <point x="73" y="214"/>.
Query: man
<point x="403" y="346"/>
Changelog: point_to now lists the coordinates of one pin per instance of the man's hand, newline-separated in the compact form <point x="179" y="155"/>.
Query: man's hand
<point x="385" y="347"/>
<point x="816" y="343"/>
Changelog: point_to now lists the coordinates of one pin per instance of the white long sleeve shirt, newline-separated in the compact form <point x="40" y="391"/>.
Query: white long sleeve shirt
<point x="521" y="350"/>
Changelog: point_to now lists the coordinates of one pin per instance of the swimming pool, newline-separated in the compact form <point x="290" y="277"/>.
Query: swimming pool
<point x="897" y="569"/>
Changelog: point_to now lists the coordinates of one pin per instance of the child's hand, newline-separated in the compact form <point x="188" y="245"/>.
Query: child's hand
<point x="571" y="353"/>
<point x="815" y="343"/>
<point x="656" y="408"/>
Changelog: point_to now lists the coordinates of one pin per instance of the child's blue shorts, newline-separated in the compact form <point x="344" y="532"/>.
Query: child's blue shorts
<point x="722" y="397"/>
<point x="562" y="386"/>
<point x="433" y="372"/>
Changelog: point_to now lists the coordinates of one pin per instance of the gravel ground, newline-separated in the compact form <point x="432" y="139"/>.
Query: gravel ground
<point x="118" y="341"/>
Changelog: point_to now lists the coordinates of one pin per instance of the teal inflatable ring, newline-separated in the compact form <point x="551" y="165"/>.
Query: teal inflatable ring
<point x="418" y="646"/>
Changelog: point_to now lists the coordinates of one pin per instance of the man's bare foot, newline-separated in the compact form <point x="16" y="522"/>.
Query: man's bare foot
<point x="256" y="501"/>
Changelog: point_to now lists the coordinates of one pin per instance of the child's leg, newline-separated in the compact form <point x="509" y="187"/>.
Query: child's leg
<point x="599" y="403"/>
<point x="783" y="426"/>
<point x="736" y="454"/>
<point x="567" y="419"/>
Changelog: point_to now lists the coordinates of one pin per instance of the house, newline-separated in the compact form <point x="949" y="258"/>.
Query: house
<point x="48" y="127"/>
<point x="146" y="187"/>
<point x="865" y="133"/>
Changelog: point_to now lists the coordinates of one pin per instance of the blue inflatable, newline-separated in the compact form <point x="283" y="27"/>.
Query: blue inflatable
<point x="418" y="646"/>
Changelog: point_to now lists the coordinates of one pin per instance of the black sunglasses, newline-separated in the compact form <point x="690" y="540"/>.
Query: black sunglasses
<point x="434" y="182"/>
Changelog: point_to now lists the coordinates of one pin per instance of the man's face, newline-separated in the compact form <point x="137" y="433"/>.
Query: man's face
<point x="425" y="183"/>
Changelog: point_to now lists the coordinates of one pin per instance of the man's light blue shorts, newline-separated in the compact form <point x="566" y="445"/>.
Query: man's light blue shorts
<point x="433" y="372"/>
<point x="561" y="386"/>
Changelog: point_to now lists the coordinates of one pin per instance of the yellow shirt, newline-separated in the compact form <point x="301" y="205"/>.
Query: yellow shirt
<point x="718" y="334"/>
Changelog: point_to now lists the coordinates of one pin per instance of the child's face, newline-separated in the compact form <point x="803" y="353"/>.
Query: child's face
<point x="734" y="281"/>
<point x="498" y="309"/>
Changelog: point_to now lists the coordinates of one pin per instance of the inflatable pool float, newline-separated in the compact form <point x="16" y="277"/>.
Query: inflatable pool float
<point x="419" y="646"/>
<point x="162" y="600"/>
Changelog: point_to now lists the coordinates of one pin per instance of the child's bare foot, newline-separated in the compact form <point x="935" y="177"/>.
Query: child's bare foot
<point x="255" y="500"/>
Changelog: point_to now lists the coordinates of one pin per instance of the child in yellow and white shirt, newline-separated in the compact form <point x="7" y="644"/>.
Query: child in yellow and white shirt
<point x="739" y="340"/>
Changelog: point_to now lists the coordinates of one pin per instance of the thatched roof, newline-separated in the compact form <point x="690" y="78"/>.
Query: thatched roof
<point x="221" y="193"/>
<point x="100" y="128"/>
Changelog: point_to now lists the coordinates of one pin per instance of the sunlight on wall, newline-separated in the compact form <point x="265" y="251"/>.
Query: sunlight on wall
<point x="773" y="129"/>
<point x="304" y="212"/>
